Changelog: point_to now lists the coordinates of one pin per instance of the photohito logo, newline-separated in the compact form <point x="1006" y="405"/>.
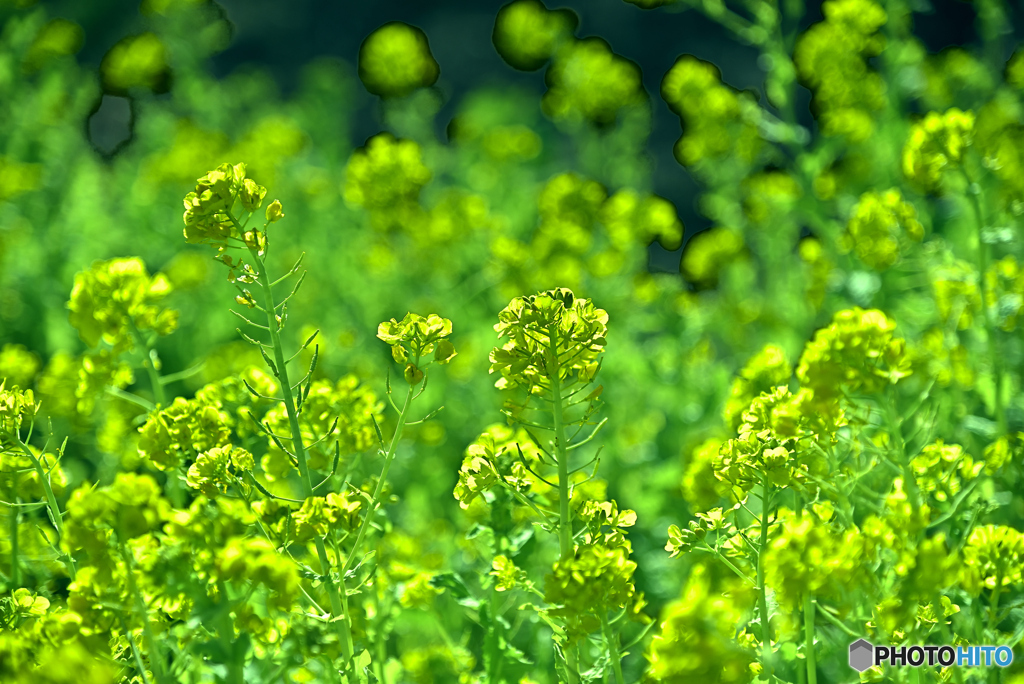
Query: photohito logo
<point x="864" y="655"/>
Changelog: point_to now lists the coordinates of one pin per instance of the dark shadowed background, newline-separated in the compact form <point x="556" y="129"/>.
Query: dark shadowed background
<point x="282" y="36"/>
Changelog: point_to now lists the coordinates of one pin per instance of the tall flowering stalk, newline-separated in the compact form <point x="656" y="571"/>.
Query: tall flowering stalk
<point x="219" y="212"/>
<point x="549" y="359"/>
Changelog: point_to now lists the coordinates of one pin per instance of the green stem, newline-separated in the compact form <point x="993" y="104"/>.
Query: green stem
<point x="720" y="556"/>
<point x="947" y="638"/>
<point x="51" y="504"/>
<point x="159" y="396"/>
<point x="561" y="455"/>
<point x="762" y="597"/>
<point x="174" y="489"/>
<point x="565" y="544"/>
<point x="836" y="621"/>
<point x="139" y="665"/>
<point x="379" y="640"/>
<point x="993" y="606"/>
<point x="379" y="489"/>
<point x="338" y="598"/>
<point x="909" y="479"/>
<point x="227" y="629"/>
<point x="492" y="640"/>
<point x="15" y="515"/>
<point x="155" y="658"/>
<point x="611" y="641"/>
<point x="812" y="665"/>
<point x="974" y="194"/>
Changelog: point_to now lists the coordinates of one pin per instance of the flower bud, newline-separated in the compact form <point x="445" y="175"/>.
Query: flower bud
<point x="274" y="212"/>
<point x="252" y="195"/>
<point x="412" y="374"/>
<point x="445" y="351"/>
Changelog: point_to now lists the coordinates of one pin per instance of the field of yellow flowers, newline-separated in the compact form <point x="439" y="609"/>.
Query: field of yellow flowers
<point x="277" y="405"/>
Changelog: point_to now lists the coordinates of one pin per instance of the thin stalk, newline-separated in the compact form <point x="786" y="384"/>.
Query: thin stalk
<point x="812" y="664"/>
<point x="159" y="396"/>
<point x="993" y="606"/>
<point x="947" y="638"/>
<point x="155" y="659"/>
<point x="139" y="665"/>
<point x="725" y="561"/>
<point x="51" y="503"/>
<point x="227" y="629"/>
<point x="909" y="479"/>
<point x="974" y="193"/>
<point x="762" y="596"/>
<point x="15" y="515"/>
<point x="379" y="642"/>
<point x="836" y="621"/>
<point x="562" y="457"/>
<point x="611" y="641"/>
<point x="492" y="640"/>
<point x="338" y="598"/>
<point x="379" y="489"/>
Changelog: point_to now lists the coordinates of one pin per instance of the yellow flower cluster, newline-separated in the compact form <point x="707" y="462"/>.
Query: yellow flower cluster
<point x="696" y="640"/>
<point x="526" y="33"/>
<point x="879" y="227"/>
<point x="832" y="60"/>
<point x="766" y="370"/>
<point x="716" y="119"/>
<point x="395" y="60"/>
<point x="385" y="178"/>
<point x="117" y="300"/>
<point x="858" y="352"/>
<point x="587" y="81"/>
<point x="935" y="144"/>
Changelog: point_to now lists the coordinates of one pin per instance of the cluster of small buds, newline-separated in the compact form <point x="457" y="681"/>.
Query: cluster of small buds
<point x="591" y="582"/>
<point x="993" y="557"/>
<point x="217" y="468"/>
<point x="17" y="407"/>
<point x="209" y="213"/>
<point x="395" y="60"/>
<point x="717" y="121"/>
<point x="501" y="453"/>
<point x="697" y="531"/>
<point x="805" y="555"/>
<point x="858" y="351"/>
<point x="695" y="641"/>
<point x="936" y="143"/>
<point x="527" y="34"/>
<point x="766" y="370"/>
<point x="416" y="337"/>
<point x="550" y="333"/>
<point x="832" y="60"/>
<point x="879" y="227"/>
<point x="115" y="300"/>
<point x="590" y="82"/>
<point x="318" y="515"/>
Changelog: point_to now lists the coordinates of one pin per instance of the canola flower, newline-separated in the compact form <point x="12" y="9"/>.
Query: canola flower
<point x="936" y="145"/>
<point x="716" y="120"/>
<point x="880" y="227"/>
<point x="832" y="59"/>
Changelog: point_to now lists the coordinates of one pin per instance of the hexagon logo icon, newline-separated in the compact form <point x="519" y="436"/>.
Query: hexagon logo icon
<point x="861" y="655"/>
